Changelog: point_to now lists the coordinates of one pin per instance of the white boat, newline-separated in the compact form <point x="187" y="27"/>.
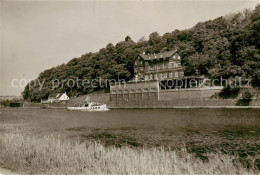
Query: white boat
<point x="88" y="106"/>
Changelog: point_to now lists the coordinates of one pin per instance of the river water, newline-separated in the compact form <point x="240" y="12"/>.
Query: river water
<point x="176" y="119"/>
<point x="232" y="131"/>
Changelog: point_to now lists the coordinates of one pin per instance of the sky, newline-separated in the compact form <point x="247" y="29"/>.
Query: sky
<point x="39" y="35"/>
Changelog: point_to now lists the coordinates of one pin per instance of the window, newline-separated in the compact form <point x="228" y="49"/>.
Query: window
<point x="176" y="74"/>
<point x="165" y="66"/>
<point x="165" y="75"/>
<point x="146" y="77"/>
<point x="151" y="76"/>
<point x="145" y="90"/>
<point x="160" y="75"/>
<point x="181" y="74"/>
<point x="155" y="76"/>
<point x="138" y="90"/>
<point x="179" y="57"/>
<point x="171" y="64"/>
<point x="170" y="75"/>
<point x="136" y="63"/>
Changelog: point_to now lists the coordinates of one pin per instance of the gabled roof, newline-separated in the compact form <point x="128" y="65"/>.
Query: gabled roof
<point x="56" y="95"/>
<point x="158" y="55"/>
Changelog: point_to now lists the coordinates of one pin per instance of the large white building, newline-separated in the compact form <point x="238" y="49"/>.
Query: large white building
<point x="166" y="65"/>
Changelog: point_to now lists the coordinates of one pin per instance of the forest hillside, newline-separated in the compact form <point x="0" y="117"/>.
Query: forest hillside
<point x="228" y="46"/>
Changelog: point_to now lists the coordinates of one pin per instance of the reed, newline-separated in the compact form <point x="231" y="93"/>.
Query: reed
<point x="52" y="155"/>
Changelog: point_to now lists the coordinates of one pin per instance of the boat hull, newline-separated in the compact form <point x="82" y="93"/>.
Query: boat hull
<point x="87" y="109"/>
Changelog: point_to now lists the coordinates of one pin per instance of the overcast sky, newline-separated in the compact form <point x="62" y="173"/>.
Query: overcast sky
<point x="38" y="35"/>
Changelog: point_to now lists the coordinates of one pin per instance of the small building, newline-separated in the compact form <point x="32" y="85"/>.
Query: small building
<point x="58" y="98"/>
<point x="166" y="65"/>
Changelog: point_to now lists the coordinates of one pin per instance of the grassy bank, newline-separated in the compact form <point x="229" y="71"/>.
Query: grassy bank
<point x="50" y="155"/>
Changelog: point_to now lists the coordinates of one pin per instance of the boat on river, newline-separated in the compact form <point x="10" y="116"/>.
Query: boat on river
<point x="88" y="106"/>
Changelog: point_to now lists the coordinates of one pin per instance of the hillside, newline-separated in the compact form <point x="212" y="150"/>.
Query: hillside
<point x="226" y="46"/>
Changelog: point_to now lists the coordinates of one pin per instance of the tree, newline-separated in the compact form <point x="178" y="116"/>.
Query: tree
<point x="128" y="39"/>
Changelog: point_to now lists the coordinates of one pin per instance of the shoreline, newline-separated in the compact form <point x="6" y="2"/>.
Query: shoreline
<point x="188" y="107"/>
<point x="157" y="107"/>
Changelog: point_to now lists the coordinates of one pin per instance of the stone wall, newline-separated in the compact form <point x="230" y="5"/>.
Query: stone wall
<point x="192" y="93"/>
<point x="181" y="103"/>
<point x="167" y="99"/>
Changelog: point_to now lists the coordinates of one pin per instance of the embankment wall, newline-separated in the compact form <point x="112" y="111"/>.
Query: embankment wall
<point x="167" y="99"/>
<point x="39" y="105"/>
<point x="181" y="103"/>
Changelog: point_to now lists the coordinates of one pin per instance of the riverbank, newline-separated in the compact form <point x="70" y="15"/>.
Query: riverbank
<point x="187" y="107"/>
<point x="53" y="155"/>
<point x="166" y="107"/>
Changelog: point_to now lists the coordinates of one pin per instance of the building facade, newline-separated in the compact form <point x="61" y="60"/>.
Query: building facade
<point x="155" y="74"/>
<point x="166" y="65"/>
<point x="135" y="91"/>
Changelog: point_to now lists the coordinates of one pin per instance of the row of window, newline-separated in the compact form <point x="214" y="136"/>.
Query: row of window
<point x="134" y="91"/>
<point x="164" y="66"/>
<point x="160" y="67"/>
<point x="164" y="75"/>
<point x="175" y="57"/>
<point x="137" y="63"/>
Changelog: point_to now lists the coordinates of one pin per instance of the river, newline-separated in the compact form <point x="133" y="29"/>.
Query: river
<point x="233" y="131"/>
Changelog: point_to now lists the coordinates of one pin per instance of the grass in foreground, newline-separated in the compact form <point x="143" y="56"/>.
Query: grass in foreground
<point x="50" y="155"/>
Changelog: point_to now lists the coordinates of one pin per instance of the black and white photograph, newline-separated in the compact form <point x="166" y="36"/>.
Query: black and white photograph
<point x="129" y="87"/>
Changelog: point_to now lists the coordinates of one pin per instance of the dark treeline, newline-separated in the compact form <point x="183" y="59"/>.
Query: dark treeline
<point x="227" y="46"/>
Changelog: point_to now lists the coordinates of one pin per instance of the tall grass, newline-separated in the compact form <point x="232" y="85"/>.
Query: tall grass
<point x="52" y="155"/>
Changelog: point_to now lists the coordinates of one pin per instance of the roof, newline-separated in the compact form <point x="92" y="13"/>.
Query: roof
<point x="55" y="95"/>
<point x="158" y="55"/>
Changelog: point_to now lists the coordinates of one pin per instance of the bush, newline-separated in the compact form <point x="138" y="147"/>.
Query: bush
<point x="246" y="99"/>
<point x="229" y="92"/>
<point x="5" y="103"/>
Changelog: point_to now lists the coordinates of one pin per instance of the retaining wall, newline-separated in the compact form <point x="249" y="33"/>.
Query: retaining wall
<point x="181" y="103"/>
<point x="167" y="99"/>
